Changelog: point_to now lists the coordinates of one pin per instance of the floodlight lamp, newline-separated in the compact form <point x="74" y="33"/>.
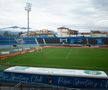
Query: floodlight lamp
<point x="28" y="7"/>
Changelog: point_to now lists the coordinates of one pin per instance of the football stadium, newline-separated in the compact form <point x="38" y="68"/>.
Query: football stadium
<point x="61" y="58"/>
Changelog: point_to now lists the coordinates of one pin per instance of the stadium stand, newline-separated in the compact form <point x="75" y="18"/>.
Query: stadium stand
<point x="105" y="41"/>
<point x="7" y="41"/>
<point x="40" y="41"/>
<point x="92" y="41"/>
<point x="29" y="40"/>
<point x="53" y="41"/>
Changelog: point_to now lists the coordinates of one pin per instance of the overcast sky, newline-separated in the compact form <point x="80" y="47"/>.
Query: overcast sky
<point x="83" y="15"/>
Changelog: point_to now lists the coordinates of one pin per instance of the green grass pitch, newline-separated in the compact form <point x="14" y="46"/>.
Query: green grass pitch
<point x="72" y="58"/>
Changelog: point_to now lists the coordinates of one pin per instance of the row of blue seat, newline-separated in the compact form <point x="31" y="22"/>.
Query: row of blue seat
<point x="53" y="40"/>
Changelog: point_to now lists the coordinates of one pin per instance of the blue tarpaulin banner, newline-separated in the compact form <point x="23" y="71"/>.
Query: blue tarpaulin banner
<point x="59" y="81"/>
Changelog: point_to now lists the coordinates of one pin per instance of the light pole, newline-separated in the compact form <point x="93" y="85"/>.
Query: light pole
<point x="28" y="9"/>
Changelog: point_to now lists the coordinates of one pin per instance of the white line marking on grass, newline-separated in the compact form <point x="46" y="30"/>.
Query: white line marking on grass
<point x="68" y="54"/>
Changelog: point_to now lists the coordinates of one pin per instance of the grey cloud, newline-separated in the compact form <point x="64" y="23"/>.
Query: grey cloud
<point x="100" y="4"/>
<point x="79" y="14"/>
